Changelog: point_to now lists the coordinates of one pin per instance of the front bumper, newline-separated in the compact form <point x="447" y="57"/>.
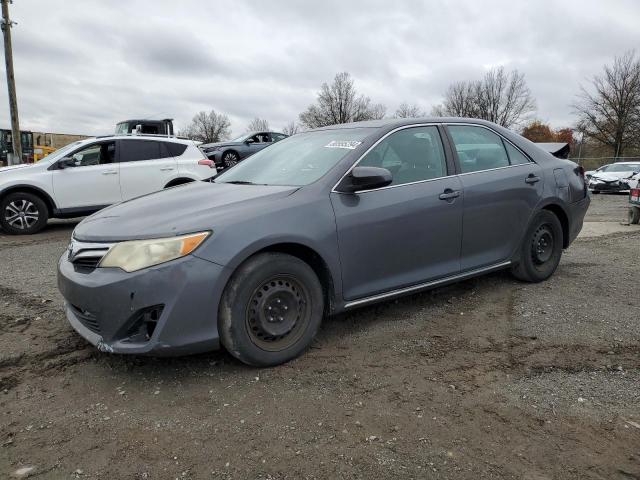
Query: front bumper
<point x="169" y="309"/>
<point x="609" y="186"/>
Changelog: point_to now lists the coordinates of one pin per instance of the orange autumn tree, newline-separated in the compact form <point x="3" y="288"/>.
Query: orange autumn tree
<point x="538" y="132"/>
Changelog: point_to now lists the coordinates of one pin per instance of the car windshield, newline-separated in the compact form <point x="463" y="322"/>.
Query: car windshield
<point x="627" y="167"/>
<point x="62" y="152"/>
<point x="298" y="160"/>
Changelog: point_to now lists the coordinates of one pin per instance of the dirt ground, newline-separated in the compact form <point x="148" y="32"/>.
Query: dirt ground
<point x="489" y="378"/>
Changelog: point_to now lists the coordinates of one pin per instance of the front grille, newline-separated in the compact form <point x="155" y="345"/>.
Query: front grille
<point x="85" y="257"/>
<point x="86" y="262"/>
<point x="87" y="319"/>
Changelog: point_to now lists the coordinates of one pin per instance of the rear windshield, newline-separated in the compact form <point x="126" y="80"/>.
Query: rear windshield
<point x="298" y="160"/>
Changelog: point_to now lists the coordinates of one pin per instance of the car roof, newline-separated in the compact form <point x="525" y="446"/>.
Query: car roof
<point x="400" y="122"/>
<point x="161" y="138"/>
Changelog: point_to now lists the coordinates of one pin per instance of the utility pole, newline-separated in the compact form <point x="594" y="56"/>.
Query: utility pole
<point x="16" y="140"/>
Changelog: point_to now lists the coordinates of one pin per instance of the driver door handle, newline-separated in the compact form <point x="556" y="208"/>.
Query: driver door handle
<point x="449" y="194"/>
<point x="110" y="172"/>
<point x="532" y="178"/>
<point x="166" y="169"/>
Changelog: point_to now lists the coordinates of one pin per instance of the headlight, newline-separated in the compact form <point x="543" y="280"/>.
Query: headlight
<point x="138" y="254"/>
<point x="213" y="149"/>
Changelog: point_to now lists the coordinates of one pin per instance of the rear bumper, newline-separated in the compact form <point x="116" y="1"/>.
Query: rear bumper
<point x="170" y="309"/>
<point x="577" y="212"/>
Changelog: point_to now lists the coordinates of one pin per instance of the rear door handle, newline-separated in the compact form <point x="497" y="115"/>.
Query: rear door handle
<point x="448" y="194"/>
<point x="531" y="179"/>
<point x="110" y="172"/>
<point x="166" y="169"/>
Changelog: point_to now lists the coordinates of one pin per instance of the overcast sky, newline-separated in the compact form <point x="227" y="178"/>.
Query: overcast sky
<point x="83" y="65"/>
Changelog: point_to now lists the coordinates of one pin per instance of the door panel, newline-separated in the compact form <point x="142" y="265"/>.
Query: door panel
<point x="396" y="237"/>
<point x="146" y="166"/>
<point x="408" y="232"/>
<point x="93" y="181"/>
<point x="497" y="208"/>
<point x="502" y="188"/>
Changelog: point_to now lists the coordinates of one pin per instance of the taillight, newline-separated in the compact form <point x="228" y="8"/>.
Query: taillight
<point x="207" y="163"/>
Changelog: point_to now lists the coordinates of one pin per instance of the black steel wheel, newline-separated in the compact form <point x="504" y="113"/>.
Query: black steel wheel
<point x="541" y="249"/>
<point x="271" y="309"/>
<point x="23" y="213"/>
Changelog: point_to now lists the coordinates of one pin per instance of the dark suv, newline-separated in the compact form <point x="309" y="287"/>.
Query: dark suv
<point x="227" y="154"/>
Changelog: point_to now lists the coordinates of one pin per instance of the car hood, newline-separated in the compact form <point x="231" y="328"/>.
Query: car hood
<point x="13" y="168"/>
<point x="190" y="208"/>
<point x="611" y="176"/>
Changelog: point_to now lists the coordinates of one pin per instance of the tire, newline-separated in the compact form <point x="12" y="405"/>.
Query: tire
<point x="541" y="249"/>
<point x="23" y="213"/>
<point x="270" y="282"/>
<point x="230" y="158"/>
<point x="634" y="215"/>
<point x="595" y="192"/>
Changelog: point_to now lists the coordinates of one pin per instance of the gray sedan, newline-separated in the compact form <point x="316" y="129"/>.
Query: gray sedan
<point x="322" y="222"/>
<point x="227" y="154"/>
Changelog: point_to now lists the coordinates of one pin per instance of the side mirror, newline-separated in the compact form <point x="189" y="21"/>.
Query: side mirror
<point x="66" y="162"/>
<point x="365" y="178"/>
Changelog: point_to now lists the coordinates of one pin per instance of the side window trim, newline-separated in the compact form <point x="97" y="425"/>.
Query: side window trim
<point x="445" y="147"/>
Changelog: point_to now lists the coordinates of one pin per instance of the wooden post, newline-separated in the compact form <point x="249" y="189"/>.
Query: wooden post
<point x="16" y="140"/>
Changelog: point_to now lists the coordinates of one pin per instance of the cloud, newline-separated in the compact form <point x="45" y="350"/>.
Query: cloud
<point x="93" y="63"/>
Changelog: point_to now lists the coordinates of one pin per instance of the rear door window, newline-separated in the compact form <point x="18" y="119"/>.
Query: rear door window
<point x="175" y="149"/>
<point x="478" y="148"/>
<point x="136" y="150"/>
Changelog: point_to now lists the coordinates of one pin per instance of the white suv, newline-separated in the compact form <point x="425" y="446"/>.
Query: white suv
<point x="88" y="175"/>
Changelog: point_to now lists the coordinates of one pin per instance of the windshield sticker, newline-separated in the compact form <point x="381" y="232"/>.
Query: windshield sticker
<point x="348" y="144"/>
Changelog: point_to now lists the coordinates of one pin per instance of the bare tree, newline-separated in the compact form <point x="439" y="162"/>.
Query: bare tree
<point x="409" y="111"/>
<point x="610" y="113"/>
<point x="258" y="124"/>
<point x="291" y="128"/>
<point x="340" y="103"/>
<point x="208" y="127"/>
<point x="500" y="97"/>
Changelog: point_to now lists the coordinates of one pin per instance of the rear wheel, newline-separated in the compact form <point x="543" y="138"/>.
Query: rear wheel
<point x="271" y="309"/>
<point x="634" y="215"/>
<point x="595" y="192"/>
<point x="541" y="249"/>
<point x="23" y="213"/>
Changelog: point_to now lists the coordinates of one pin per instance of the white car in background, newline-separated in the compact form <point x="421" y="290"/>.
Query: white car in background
<point x="88" y="175"/>
<point x="614" y="177"/>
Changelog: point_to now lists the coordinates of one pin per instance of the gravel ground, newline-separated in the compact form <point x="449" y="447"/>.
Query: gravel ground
<point x="489" y="378"/>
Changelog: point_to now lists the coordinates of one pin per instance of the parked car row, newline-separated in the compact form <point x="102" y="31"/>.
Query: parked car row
<point x="88" y="175"/>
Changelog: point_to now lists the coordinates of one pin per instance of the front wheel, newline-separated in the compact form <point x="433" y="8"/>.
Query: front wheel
<point x="229" y="159"/>
<point x="271" y="309"/>
<point x="23" y="213"/>
<point x="541" y="249"/>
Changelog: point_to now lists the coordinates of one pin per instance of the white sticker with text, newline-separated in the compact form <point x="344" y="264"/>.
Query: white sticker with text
<point x="348" y="144"/>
